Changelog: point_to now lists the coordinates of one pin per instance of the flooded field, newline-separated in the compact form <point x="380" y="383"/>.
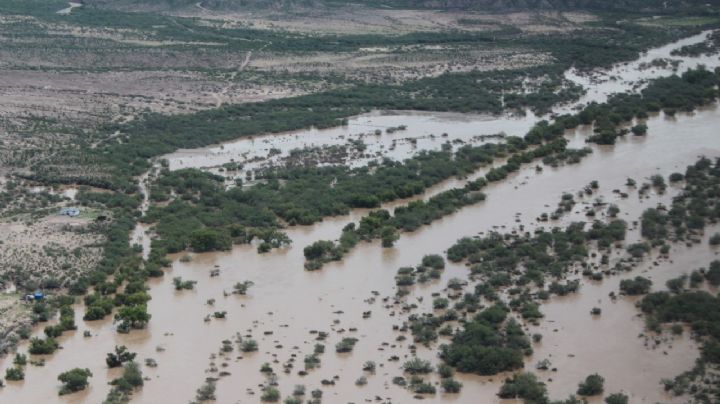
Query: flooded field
<point x="425" y="131"/>
<point x="287" y="306"/>
<point x="634" y="75"/>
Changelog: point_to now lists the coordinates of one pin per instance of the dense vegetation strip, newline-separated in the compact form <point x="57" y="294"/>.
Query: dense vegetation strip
<point x="382" y="225"/>
<point x="206" y="216"/>
<point x="694" y="88"/>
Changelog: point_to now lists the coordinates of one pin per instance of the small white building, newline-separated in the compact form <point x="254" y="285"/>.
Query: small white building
<point x="72" y="212"/>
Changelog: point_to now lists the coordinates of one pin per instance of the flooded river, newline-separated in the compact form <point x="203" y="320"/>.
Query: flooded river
<point x="287" y="303"/>
<point x="69" y="8"/>
<point x="426" y="131"/>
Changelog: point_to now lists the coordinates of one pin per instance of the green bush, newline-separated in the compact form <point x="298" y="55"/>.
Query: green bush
<point x="433" y="261"/>
<point x="592" y="386"/>
<point x="637" y="286"/>
<point x="617" y="398"/>
<point x="74" y="380"/>
<point x="346" y="345"/>
<point x="418" y="366"/>
<point x="489" y="344"/>
<point x="120" y="356"/>
<point x="451" y="385"/>
<point x="524" y="386"/>
<point x="20" y="359"/>
<point x="249" y="345"/>
<point x="270" y="395"/>
<point x="42" y="346"/>
<point x="203" y="240"/>
<point x="14" y="373"/>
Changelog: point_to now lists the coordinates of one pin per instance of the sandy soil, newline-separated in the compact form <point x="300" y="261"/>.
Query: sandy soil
<point x="356" y="19"/>
<point x="396" y="65"/>
<point x="56" y="246"/>
<point x="14" y="315"/>
<point x="34" y="250"/>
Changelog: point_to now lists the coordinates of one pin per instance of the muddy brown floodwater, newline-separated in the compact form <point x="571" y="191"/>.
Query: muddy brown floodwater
<point x="424" y="132"/>
<point x="635" y="74"/>
<point x="286" y="302"/>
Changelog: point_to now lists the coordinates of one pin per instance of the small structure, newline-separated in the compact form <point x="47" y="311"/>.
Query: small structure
<point x="34" y="297"/>
<point x="72" y="212"/>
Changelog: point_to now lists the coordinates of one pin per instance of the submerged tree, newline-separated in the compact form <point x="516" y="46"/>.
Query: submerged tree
<point x="74" y="380"/>
<point x="120" y="356"/>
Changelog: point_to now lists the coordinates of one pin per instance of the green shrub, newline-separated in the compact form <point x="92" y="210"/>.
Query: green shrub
<point x="74" y="380"/>
<point x="42" y="346"/>
<point x="637" y="286"/>
<point x="20" y="359"/>
<point x="14" y="373"/>
<point x="418" y="366"/>
<point x="120" y="356"/>
<point x="207" y="239"/>
<point x="346" y="345"/>
<point x="524" y="386"/>
<point x="450" y="385"/>
<point x="270" y="395"/>
<point x="592" y="386"/>
<point x="489" y="344"/>
<point x="617" y="398"/>
<point x="433" y="261"/>
<point x="249" y="345"/>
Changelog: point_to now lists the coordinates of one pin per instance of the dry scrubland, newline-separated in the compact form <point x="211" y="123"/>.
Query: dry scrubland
<point x="61" y="79"/>
<point x="100" y="74"/>
<point x="40" y="249"/>
<point x="360" y="20"/>
<point x="14" y="316"/>
<point x="47" y="252"/>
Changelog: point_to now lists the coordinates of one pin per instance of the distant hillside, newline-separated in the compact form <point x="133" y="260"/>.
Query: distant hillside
<point x="478" y="5"/>
<point x="592" y="5"/>
<point x="219" y="5"/>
